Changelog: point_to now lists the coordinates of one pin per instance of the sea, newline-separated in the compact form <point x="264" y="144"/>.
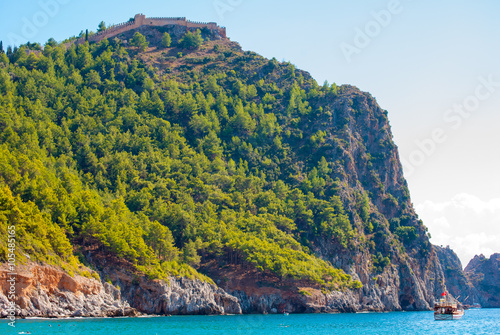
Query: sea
<point x="475" y="321"/>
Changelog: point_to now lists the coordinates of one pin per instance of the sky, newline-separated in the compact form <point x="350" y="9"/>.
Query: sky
<point x="433" y="65"/>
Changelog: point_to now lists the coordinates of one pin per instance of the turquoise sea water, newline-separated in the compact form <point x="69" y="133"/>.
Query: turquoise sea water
<point x="481" y="321"/>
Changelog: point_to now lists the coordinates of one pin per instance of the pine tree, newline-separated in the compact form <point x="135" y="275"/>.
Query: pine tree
<point x="52" y="42"/>
<point x="191" y="41"/>
<point x="101" y="27"/>
<point x="3" y="58"/>
<point x="166" y="40"/>
<point x="139" y="41"/>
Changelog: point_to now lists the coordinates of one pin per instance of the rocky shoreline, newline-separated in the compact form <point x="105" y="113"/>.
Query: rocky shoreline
<point x="47" y="292"/>
<point x="43" y="291"/>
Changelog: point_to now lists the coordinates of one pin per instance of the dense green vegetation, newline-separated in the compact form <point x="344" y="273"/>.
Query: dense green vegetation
<point x="166" y="40"/>
<point x="139" y="41"/>
<point x="216" y="156"/>
<point x="191" y="40"/>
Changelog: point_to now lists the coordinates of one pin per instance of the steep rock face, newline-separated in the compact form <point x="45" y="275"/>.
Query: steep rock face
<point x="305" y="300"/>
<point x="359" y="142"/>
<point x="381" y="294"/>
<point x="484" y="274"/>
<point x="457" y="283"/>
<point x="170" y="296"/>
<point x="178" y="296"/>
<point x="367" y="161"/>
<point x="403" y="285"/>
<point x="45" y="291"/>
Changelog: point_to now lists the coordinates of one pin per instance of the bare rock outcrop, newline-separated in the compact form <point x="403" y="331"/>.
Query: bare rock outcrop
<point x="178" y="296"/>
<point x="484" y="275"/>
<point x="167" y="296"/>
<point x="45" y="291"/>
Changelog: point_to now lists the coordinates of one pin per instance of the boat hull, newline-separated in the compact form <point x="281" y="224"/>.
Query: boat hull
<point x="444" y="317"/>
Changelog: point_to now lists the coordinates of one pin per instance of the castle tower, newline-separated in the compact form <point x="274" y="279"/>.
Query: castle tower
<point x="139" y="19"/>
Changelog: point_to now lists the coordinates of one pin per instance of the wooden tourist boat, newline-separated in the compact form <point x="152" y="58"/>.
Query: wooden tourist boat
<point x="447" y="310"/>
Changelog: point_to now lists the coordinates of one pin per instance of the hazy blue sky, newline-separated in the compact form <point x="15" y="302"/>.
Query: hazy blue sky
<point x="434" y="65"/>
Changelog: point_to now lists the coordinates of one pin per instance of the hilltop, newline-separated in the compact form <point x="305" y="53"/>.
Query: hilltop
<point x="194" y="177"/>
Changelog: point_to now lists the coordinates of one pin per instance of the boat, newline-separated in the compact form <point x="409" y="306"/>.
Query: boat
<point x="447" y="310"/>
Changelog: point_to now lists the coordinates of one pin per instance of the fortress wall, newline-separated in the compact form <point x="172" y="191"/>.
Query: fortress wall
<point x="113" y="32"/>
<point x="140" y="20"/>
<point x="164" y="21"/>
<point x="109" y="32"/>
<point x="209" y="25"/>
